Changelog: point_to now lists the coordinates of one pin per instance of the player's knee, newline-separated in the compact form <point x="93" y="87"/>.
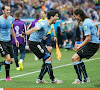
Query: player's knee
<point x="8" y="60"/>
<point x="47" y="57"/>
<point x="73" y="59"/>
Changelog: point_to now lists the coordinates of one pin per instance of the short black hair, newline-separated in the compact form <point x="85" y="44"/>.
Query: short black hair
<point x="3" y="8"/>
<point x="51" y="13"/>
<point x="81" y="13"/>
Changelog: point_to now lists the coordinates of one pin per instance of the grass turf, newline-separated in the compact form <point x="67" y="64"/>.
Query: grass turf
<point x="65" y="73"/>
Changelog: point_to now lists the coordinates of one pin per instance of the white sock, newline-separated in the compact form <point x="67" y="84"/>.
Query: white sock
<point x="21" y="60"/>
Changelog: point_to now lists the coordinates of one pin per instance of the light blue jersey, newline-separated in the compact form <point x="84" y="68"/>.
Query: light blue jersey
<point x="5" y="27"/>
<point x="43" y="28"/>
<point x="90" y="29"/>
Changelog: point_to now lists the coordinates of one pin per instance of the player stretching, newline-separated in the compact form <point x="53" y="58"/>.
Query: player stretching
<point x="86" y="49"/>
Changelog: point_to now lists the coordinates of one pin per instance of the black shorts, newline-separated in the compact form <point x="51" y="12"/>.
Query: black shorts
<point x="88" y="50"/>
<point x="38" y="48"/>
<point x="6" y="48"/>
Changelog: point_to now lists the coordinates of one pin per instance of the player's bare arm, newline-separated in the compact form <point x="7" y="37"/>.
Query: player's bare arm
<point x="99" y="31"/>
<point x="55" y="39"/>
<point x="30" y="31"/>
<point x="78" y="46"/>
<point x="13" y="34"/>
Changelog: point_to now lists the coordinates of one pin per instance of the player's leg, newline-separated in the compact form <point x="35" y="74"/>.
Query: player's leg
<point x="7" y="66"/>
<point x="76" y="62"/>
<point x="83" y="70"/>
<point x="22" y="55"/>
<point x="86" y="52"/>
<point x="9" y="60"/>
<point x="47" y="60"/>
<point x="41" y="52"/>
<point x="3" y="51"/>
<point x="2" y="54"/>
<point x="37" y="49"/>
<point x="64" y="40"/>
<point x="42" y="73"/>
<point x="16" y="56"/>
<point x="2" y="63"/>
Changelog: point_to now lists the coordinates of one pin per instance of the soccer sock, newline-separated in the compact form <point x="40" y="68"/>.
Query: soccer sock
<point x="43" y="71"/>
<point x="77" y="69"/>
<point x="7" y="68"/>
<point x="83" y="69"/>
<point x="50" y="70"/>
<point x="21" y="60"/>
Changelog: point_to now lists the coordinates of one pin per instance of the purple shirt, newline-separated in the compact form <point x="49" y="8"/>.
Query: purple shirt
<point x="18" y="26"/>
<point x="32" y="24"/>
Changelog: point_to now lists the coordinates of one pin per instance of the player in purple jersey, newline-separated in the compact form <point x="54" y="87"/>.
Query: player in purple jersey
<point x="5" y="45"/>
<point x="19" y="27"/>
<point x="31" y="25"/>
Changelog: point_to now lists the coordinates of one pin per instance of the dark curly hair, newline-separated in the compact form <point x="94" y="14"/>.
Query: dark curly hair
<point x="81" y="13"/>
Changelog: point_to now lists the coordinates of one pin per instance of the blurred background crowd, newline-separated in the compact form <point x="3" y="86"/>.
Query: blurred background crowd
<point x="29" y="8"/>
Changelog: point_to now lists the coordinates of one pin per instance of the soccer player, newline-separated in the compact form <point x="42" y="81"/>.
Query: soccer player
<point x="31" y="25"/>
<point x="18" y="27"/>
<point x="38" y="48"/>
<point x="86" y="49"/>
<point x="5" y="45"/>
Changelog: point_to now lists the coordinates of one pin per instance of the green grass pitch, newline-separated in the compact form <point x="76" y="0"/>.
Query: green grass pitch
<point x="63" y="70"/>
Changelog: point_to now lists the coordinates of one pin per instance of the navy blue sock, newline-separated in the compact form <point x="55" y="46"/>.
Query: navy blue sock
<point x="83" y="69"/>
<point x="7" y="68"/>
<point x="50" y="70"/>
<point x="43" y="71"/>
<point x="77" y="69"/>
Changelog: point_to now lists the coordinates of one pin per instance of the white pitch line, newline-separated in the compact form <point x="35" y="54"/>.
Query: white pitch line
<point x="53" y="68"/>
